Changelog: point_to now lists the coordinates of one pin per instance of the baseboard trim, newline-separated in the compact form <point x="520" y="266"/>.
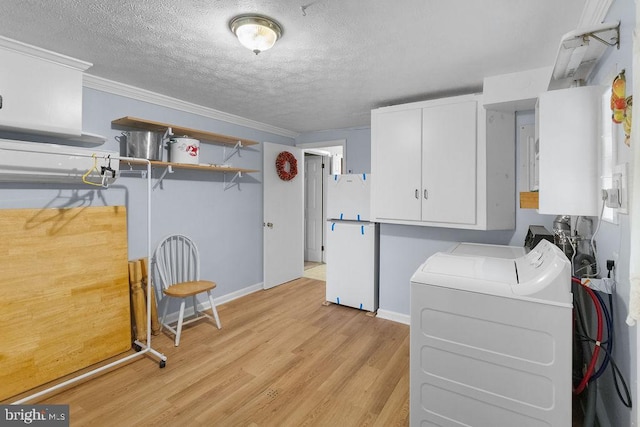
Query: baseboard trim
<point x="394" y="316"/>
<point x="204" y="305"/>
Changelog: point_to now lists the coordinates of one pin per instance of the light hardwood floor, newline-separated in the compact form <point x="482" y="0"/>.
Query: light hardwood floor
<point x="280" y="359"/>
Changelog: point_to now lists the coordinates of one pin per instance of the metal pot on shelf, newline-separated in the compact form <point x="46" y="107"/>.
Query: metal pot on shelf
<point x="184" y="150"/>
<point x="144" y="144"/>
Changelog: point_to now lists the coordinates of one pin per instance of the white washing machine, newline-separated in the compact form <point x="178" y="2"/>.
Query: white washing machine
<point x="491" y="337"/>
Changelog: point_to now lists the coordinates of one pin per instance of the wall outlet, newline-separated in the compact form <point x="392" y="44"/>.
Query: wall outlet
<point x="620" y="174"/>
<point x="612" y="198"/>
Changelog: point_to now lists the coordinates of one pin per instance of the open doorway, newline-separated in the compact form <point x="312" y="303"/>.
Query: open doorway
<point x="321" y="160"/>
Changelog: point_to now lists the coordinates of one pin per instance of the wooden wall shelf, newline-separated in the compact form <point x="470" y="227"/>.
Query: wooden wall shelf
<point x="203" y="136"/>
<point x="202" y="167"/>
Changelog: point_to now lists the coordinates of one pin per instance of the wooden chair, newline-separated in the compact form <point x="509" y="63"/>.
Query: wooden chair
<point x="178" y="264"/>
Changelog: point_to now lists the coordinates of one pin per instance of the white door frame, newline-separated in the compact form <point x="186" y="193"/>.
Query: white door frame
<point x="313" y="147"/>
<point x="314" y="174"/>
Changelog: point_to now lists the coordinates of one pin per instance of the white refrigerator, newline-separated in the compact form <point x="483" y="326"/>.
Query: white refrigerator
<point x="352" y="243"/>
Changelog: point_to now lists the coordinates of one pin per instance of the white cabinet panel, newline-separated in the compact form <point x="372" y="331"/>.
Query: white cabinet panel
<point x="41" y="91"/>
<point x="397" y="158"/>
<point x="449" y="163"/>
<point x="569" y="134"/>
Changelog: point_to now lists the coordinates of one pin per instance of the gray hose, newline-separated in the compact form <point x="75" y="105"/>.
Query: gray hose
<point x="590" y="410"/>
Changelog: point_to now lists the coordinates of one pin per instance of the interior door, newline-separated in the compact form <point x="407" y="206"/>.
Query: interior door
<point x="314" y="219"/>
<point x="283" y="218"/>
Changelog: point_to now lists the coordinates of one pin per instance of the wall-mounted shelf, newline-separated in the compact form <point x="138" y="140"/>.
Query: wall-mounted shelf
<point x="203" y="136"/>
<point x="169" y="166"/>
<point x="202" y="167"/>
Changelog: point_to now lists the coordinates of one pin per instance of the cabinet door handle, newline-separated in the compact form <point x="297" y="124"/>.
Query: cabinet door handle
<point x="417" y="194"/>
<point x="426" y="194"/>
<point x="0" y="101"/>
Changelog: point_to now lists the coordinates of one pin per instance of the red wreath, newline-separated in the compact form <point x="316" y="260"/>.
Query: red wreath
<point x="286" y="158"/>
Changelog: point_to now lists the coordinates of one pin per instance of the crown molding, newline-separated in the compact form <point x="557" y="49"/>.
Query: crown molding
<point x="47" y="55"/>
<point x="594" y="12"/>
<point x="116" y="88"/>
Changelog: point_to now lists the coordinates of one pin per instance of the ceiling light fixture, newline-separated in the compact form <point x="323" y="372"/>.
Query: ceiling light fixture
<point x="256" y="32"/>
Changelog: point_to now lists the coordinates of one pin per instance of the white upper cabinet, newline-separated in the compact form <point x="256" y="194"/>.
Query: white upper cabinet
<point x="41" y="91"/>
<point x="569" y="129"/>
<point x="444" y="163"/>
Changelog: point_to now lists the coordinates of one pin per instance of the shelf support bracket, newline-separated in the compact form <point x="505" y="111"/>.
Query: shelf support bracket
<point x="616" y="43"/>
<point x="232" y="181"/>
<point x="143" y="174"/>
<point x="132" y="171"/>
<point x="169" y="169"/>
<point x="236" y="149"/>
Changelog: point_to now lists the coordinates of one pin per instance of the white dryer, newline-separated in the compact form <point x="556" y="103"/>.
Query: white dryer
<point x="491" y="337"/>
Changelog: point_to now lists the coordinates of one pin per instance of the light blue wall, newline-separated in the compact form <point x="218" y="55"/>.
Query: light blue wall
<point x="613" y="241"/>
<point x="226" y="225"/>
<point x="358" y="150"/>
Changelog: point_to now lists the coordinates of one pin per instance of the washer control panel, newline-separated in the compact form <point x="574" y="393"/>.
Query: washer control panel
<point x="544" y="270"/>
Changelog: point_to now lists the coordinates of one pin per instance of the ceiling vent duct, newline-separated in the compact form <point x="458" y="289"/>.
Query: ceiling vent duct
<point x="580" y="51"/>
<point x="42" y="162"/>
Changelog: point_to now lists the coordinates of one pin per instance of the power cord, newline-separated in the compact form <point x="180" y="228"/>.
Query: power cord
<point x="616" y="372"/>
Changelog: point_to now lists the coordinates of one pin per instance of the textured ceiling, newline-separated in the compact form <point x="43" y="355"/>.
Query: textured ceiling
<point x="328" y="71"/>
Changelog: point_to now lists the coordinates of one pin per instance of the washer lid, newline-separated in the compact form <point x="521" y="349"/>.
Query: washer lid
<point x="472" y="267"/>
<point x="481" y="274"/>
<point x="543" y="275"/>
<point x="495" y="251"/>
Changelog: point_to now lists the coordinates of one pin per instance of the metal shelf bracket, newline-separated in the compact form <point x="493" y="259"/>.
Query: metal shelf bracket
<point x="132" y="171"/>
<point x="233" y="181"/>
<point x="168" y="169"/>
<point x="236" y="149"/>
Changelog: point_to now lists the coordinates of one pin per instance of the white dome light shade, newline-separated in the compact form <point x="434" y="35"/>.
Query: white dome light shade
<point x="257" y="33"/>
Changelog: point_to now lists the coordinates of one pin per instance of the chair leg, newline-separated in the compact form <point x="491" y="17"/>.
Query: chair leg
<point x="196" y="313"/>
<point x="180" y="319"/>
<point x="165" y="302"/>
<point x="213" y="309"/>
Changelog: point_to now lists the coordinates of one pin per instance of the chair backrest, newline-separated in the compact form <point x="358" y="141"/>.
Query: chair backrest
<point x="177" y="259"/>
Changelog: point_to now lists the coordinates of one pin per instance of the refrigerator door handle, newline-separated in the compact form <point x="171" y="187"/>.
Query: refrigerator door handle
<point x="417" y="193"/>
<point x="426" y="194"/>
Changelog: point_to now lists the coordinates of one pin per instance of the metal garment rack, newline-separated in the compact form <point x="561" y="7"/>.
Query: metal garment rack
<point x="144" y="347"/>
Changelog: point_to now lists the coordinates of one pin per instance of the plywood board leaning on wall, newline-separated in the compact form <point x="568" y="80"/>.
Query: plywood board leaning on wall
<point x="64" y="293"/>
